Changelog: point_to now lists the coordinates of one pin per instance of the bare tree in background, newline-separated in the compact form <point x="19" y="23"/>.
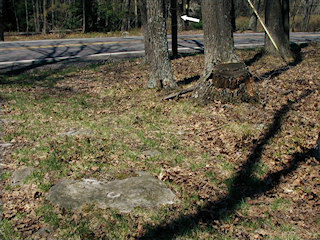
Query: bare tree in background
<point x="147" y="39"/>
<point x="161" y="73"/>
<point x="27" y="15"/>
<point x="125" y="25"/>
<point x="308" y="5"/>
<point x="253" y="22"/>
<point x="84" y="16"/>
<point x="45" y="16"/>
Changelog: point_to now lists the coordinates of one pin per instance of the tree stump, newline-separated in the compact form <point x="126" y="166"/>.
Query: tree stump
<point x="230" y="82"/>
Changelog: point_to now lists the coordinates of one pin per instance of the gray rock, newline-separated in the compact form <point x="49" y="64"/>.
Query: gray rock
<point x="43" y="233"/>
<point x="77" y="132"/>
<point x="20" y="175"/>
<point x="124" y="34"/>
<point x="7" y="121"/>
<point x="151" y="153"/>
<point x="143" y="191"/>
<point x="5" y="145"/>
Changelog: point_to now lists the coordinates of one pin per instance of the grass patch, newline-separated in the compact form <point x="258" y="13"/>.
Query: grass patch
<point x="7" y="230"/>
<point x="100" y="122"/>
<point x="49" y="215"/>
<point x="280" y="204"/>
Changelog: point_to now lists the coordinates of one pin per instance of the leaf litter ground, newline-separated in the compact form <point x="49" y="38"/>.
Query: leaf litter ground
<point x="242" y="171"/>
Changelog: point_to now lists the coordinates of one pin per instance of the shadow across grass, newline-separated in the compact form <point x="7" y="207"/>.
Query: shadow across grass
<point x="243" y="185"/>
<point x="295" y="48"/>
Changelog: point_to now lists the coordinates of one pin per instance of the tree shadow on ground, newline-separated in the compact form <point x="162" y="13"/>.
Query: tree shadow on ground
<point x="295" y="48"/>
<point x="186" y="81"/>
<point x="53" y="55"/>
<point x="243" y="185"/>
<point x="198" y="49"/>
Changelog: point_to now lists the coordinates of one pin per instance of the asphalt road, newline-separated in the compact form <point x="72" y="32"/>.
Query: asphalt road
<point x="13" y="54"/>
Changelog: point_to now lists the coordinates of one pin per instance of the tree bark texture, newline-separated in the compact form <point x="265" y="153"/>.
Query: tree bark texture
<point x="229" y="82"/>
<point x="1" y="21"/>
<point x="218" y="38"/>
<point x="277" y="22"/>
<point x="224" y="78"/>
<point x="161" y="73"/>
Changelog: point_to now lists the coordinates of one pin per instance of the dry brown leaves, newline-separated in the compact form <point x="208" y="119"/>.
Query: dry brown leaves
<point x="216" y="130"/>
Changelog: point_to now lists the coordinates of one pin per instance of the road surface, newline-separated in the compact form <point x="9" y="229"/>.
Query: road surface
<point x="13" y="54"/>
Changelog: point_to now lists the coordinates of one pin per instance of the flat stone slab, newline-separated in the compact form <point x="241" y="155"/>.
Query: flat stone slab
<point x="77" y="132"/>
<point x="20" y="175"/>
<point x="143" y="191"/>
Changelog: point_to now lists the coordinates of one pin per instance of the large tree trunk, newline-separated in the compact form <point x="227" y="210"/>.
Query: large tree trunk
<point x="147" y="39"/>
<point x="224" y="78"/>
<point x="218" y="37"/>
<point x="253" y="22"/>
<point x="174" y="28"/>
<point x="1" y="21"/>
<point x="277" y="21"/>
<point x="161" y="73"/>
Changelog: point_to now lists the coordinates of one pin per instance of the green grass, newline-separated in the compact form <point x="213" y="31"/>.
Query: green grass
<point x="7" y="232"/>
<point x="280" y="204"/>
<point x="48" y="214"/>
<point x="123" y="121"/>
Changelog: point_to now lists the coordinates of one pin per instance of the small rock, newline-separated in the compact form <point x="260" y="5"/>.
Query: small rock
<point x="7" y="121"/>
<point x="20" y="175"/>
<point x="151" y="153"/>
<point x="5" y="145"/>
<point x="124" y="34"/>
<point x="95" y="168"/>
<point x="43" y="233"/>
<point x="77" y="132"/>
